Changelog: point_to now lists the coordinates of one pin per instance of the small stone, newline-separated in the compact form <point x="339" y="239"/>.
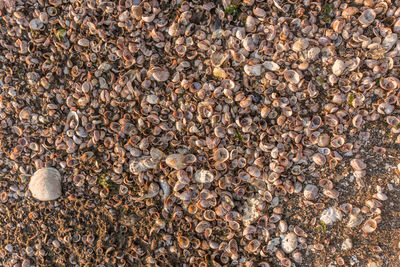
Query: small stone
<point x="272" y="245"/>
<point x="338" y="67"/>
<point x="45" y="184"/>
<point x="347" y="244"/>
<point x="289" y="242"/>
<point x="310" y="192"/>
<point x="83" y="42"/>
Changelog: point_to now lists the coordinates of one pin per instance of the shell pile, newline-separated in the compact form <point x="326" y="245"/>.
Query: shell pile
<point x="199" y="133"/>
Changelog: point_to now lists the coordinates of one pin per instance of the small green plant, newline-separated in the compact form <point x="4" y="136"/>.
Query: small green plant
<point x="350" y="98"/>
<point x="61" y="34"/>
<point x="378" y="81"/>
<point x="319" y="79"/>
<point x="232" y="10"/>
<point x="104" y="182"/>
<point x="322" y="227"/>
<point x="238" y="135"/>
<point x="326" y="10"/>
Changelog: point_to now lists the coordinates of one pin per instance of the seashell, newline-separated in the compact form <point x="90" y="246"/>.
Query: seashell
<point x="367" y="17"/>
<point x="319" y="159"/>
<point x="338" y="25"/>
<point x="203" y="176"/>
<point x="250" y="23"/>
<point x="337" y="141"/>
<point x="217" y="59"/>
<point x="388" y="83"/>
<point x="291" y="76"/>
<point x="270" y="65"/>
<point x="36" y="24"/>
<point x="331" y="215"/>
<point x="83" y="42"/>
<point x="354" y="220"/>
<point x="254" y="70"/>
<point x="248" y="44"/>
<point x="45" y="184"/>
<point x="176" y="161"/>
<point x="369" y="226"/>
<point x="289" y="242"/>
<point x="313" y="53"/>
<point x="380" y="196"/>
<point x="310" y="192"/>
<point x="349" y="12"/>
<point x="300" y="45"/>
<point x="219" y="73"/>
<point x="323" y="140"/>
<point x="221" y="155"/>
<point x="315" y="123"/>
<point x="160" y="75"/>
<point x="389" y="41"/>
<point x="338" y="67"/>
<point x="358" y="164"/>
<point x="258" y="12"/>
<point x="357" y="121"/>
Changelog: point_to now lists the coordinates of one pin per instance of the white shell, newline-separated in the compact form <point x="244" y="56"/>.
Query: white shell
<point x="176" y="161"/>
<point x="389" y="41"/>
<point x="289" y="242"/>
<point x="45" y="184"/>
<point x="270" y="65"/>
<point x="160" y="75"/>
<point x="253" y="70"/>
<point x="330" y="215"/>
<point x="203" y="176"/>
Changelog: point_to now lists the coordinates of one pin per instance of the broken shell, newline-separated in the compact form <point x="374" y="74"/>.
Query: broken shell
<point x="203" y="176"/>
<point x="319" y="159"/>
<point x="176" y="161"/>
<point x="358" y="164"/>
<point x="300" y="45"/>
<point x="254" y="70"/>
<point x="221" y="155"/>
<point x="367" y="17"/>
<point x="270" y="65"/>
<point x="160" y="75"/>
<point x="369" y="226"/>
<point x="291" y="76"/>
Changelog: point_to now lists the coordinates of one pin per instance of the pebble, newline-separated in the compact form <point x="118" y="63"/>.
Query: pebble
<point x="347" y="244"/>
<point x="9" y="248"/>
<point x="45" y="184"/>
<point x="289" y="242"/>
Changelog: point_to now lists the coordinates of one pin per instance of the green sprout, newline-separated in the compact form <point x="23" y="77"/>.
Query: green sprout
<point x="232" y="10"/>
<point x="319" y="79"/>
<point x="61" y="34"/>
<point x="350" y="98"/>
<point x="326" y="10"/>
<point x="104" y="182"/>
<point x="238" y="135"/>
<point x="322" y="227"/>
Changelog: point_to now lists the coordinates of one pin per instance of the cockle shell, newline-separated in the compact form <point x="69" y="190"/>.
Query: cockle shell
<point x="45" y="184"/>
